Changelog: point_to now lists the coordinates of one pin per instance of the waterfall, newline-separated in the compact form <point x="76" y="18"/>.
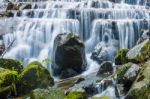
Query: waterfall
<point x="35" y="28"/>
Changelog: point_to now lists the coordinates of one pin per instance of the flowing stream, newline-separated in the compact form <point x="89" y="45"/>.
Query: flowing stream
<point x="34" y="29"/>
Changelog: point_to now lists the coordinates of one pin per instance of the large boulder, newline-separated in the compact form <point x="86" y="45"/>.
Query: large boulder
<point x="126" y="75"/>
<point x="104" y="52"/>
<point x="145" y="35"/>
<point x="140" y="52"/>
<point x="106" y="69"/>
<point x="13" y="6"/>
<point x="8" y="80"/>
<point x="141" y="87"/>
<point x="68" y="55"/>
<point x="120" y="58"/>
<point x="11" y="64"/>
<point x="34" y="76"/>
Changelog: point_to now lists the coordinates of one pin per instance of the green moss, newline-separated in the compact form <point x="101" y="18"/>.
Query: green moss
<point x="49" y="93"/>
<point x="7" y="82"/>
<point x="121" y="57"/>
<point x="76" y="95"/>
<point x="34" y="76"/>
<point x="121" y="72"/>
<point x="103" y="97"/>
<point x="11" y="64"/>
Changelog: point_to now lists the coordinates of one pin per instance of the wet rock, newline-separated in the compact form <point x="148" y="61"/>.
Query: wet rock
<point x="68" y="55"/>
<point x="104" y="52"/>
<point x="34" y="76"/>
<point x="126" y="75"/>
<point x="120" y="58"/>
<point x="141" y="87"/>
<point x="13" y="6"/>
<point x="140" y="52"/>
<point x="145" y="35"/>
<point x="8" y="79"/>
<point x="106" y="69"/>
<point x="27" y="6"/>
<point x="77" y="94"/>
<point x="49" y="93"/>
<point x="11" y="64"/>
<point x="2" y="46"/>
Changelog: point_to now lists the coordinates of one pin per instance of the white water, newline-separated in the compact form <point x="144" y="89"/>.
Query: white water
<point x="91" y="19"/>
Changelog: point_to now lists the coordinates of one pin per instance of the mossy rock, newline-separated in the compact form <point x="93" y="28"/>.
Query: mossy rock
<point x="11" y="64"/>
<point x="139" y="53"/>
<point x="76" y="95"/>
<point x="103" y="97"/>
<point x="121" y="72"/>
<point x="121" y="57"/>
<point x="34" y="76"/>
<point x="7" y="82"/>
<point x="49" y="93"/>
<point x="141" y="87"/>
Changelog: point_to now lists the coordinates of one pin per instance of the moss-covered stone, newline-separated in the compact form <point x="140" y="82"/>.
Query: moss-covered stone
<point x="11" y="64"/>
<point x="121" y="72"/>
<point x="141" y="87"/>
<point x="34" y="76"/>
<point x="7" y="82"/>
<point x="121" y="57"/>
<point x="103" y="97"/>
<point x="140" y="52"/>
<point x="49" y="93"/>
<point x="76" y="95"/>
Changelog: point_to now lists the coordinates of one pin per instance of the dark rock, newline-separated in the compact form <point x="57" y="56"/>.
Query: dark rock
<point x="120" y="58"/>
<point x="34" y="76"/>
<point x="104" y="52"/>
<point x="106" y="69"/>
<point x="13" y="6"/>
<point x="145" y="35"/>
<point x="2" y="46"/>
<point x="11" y="64"/>
<point x="68" y="55"/>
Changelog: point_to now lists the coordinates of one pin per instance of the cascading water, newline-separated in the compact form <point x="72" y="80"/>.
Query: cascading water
<point x="38" y="26"/>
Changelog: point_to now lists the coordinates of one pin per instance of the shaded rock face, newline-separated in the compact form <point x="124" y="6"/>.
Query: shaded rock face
<point x="140" y="52"/>
<point x="13" y="6"/>
<point x="145" y="35"/>
<point x="126" y="75"/>
<point x="104" y="52"/>
<point x="34" y="76"/>
<point x="106" y="69"/>
<point x="2" y="46"/>
<point x="141" y="87"/>
<point x="68" y="56"/>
